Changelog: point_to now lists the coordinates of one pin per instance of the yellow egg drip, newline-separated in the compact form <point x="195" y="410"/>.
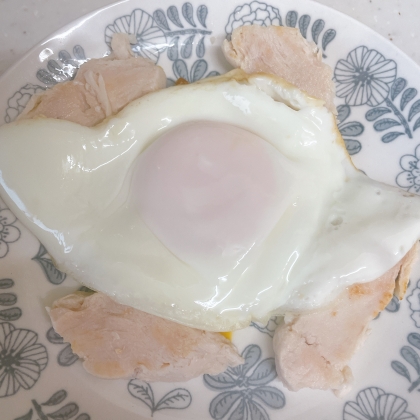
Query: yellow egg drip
<point x="227" y="334"/>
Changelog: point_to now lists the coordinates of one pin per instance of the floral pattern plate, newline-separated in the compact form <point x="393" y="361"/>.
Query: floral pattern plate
<point x="379" y="113"/>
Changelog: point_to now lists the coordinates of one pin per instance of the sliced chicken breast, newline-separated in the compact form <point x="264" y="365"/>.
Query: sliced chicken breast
<point x="117" y="341"/>
<point x="101" y="88"/>
<point x="284" y="52"/>
<point x="313" y="350"/>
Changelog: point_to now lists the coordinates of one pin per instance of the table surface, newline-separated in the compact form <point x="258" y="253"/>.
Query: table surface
<point x="24" y="23"/>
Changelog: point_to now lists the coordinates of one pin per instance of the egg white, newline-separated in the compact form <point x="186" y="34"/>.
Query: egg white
<point x="71" y="186"/>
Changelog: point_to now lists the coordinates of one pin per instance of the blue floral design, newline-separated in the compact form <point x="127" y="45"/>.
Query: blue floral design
<point x="245" y="389"/>
<point x="148" y="38"/>
<point x="181" y="38"/>
<point x="317" y="27"/>
<point x="177" y="399"/>
<point x="62" y="69"/>
<point x="53" y="274"/>
<point x="410" y="353"/>
<point x="66" y="412"/>
<point x="58" y="70"/>
<point x="8" y="232"/>
<point x="375" y="404"/>
<point x="366" y="77"/>
<point x="409" y="178"/>
<point x="258" y="13"/>
<point x="66" y="357"/>
<point x="393" y="305"/>
<point x="270" y="327"/>
<point x="8" y="299"/>
<point x="197" y="72"/>
<point x="410" y="356"/>
<point x="254" y="13"/>
<point x="180" y="28"/>
<point x="22" y="359"/>
<point x="349" y="129"/>
<point x="18" y="101"/>
<point x="414" y="303"/>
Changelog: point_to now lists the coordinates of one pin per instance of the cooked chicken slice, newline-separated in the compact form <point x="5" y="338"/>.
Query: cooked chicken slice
<point x="101" y="88"/>
<point x="312" y="350"/>
<point x="284" y="52"/>
<point x="118" y="341"/>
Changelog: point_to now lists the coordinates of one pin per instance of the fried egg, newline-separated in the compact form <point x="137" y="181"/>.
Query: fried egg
<point x="211" y="204"/>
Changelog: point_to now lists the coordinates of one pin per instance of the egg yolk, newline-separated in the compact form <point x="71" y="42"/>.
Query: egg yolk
<point x="227" y="334"/>
<point x="210" y="192"/>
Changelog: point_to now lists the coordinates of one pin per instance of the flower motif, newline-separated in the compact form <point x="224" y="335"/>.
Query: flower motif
<point x="8" y="232"/>
<point x="17" y="103"/>
<point x="63" y="68"/>
<point x="411" y="359"/>
<point x="52" y="273"/>
<point x="375" y="404"/>
<point x="197" y="72"/>
<point x="270" y="327"/>
<point x="349" y="129"/>
<point x="66" y="357"/>
<point x="414" y="303"/>
<point x="177" y="399"/>
<point x="21" y="359"/>
<point x="393" y="305"/>
<point x="67" y="411"/>
<point x="149" y="41"/>
<point x="254" y="13"/>
<point x="409" y="179"/>
<point x="364" y="77"/>
<point x="8" y="299"/>
<point x="248" y="390"/>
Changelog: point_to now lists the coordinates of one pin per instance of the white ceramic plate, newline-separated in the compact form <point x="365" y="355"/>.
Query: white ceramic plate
<point x="379" y="110"/>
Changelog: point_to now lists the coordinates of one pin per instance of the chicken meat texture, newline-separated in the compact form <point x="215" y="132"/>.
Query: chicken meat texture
<point x="284" y="52"/>
<point x="117" y="341"/>
<point x="101" y="88"/>
<point x="313" y="350"/>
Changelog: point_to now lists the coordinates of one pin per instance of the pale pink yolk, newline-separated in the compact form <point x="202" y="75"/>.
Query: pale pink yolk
<point x="210" y="192"/>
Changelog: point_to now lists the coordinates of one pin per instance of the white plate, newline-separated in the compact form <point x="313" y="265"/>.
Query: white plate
<point x="39" y="376"/>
